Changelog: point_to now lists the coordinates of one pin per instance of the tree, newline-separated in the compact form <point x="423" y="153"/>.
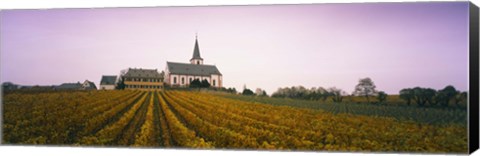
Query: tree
<point x="446" y="94"/>
<point x="418" y="96"/>
<point x="260" y="92"/>
<point x="337" y="94"/>
<point x="264" y="93"/>
<point x="423" y="95"/>
<point x="365" y="87"/>
<point x="205" y="84"/>
<point x="162" y="76"/>
<point x="322" y="93"/>
<point x="460" y="97"/>
<point x="429" y="95"/>
<point x="300" y="92"/>
<point x="195" y="83"/>
<point x="382" y="96"/>
<point x="232" y="90"/>
<point x="121" y="80"/>
<point x="407" y="95"/>
<point x="247" y="92"/>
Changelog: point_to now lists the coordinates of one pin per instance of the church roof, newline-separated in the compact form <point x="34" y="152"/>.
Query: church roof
<point x="142" y="73"/>
<point x="192" y="69"/>
<point x="196" y="51"/>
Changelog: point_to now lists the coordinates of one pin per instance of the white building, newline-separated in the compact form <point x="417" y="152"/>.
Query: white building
<point x="108" y="82"/>
<point x="181" y="74"/>
<point x="88" y="85"/>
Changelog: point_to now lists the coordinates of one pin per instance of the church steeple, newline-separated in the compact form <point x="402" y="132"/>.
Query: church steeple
<point x="196" y="59"/>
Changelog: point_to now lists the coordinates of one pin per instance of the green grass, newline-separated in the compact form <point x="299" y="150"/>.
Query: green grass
<point x="401" y="112"/>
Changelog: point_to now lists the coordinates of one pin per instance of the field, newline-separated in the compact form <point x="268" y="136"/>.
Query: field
<point x="396" y="110"/>
<point x="187" y="119"/>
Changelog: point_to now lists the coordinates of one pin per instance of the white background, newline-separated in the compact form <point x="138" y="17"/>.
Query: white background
<point x="73" y="151"/>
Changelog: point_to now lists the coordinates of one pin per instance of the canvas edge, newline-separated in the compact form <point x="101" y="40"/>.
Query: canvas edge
<point x="473" y="125"/>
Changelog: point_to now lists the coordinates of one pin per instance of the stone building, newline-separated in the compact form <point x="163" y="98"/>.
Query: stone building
<point x="143" y="79"/>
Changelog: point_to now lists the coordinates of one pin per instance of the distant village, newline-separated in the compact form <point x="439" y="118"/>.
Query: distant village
<point x="175" y="75"/>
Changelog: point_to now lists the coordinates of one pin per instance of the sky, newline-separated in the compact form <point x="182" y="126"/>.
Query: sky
<point x="397" y="45"/>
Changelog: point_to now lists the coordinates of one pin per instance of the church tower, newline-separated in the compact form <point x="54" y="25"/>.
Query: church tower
<point x="196" y="59"/>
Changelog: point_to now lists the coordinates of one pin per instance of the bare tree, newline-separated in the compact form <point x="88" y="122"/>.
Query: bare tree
<point x="337" y="94"/>
<point x="121" y="80"/>
<point x="365" y="87"/>
<point x="162" y="76"/>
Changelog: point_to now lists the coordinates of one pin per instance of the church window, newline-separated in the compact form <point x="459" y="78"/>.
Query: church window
<point x="198" y="62"/>
<point x="213" y="82"/>
<point x="183" y="80"/>
<point x="190" y="80"/>
<point x="175" y="80"/>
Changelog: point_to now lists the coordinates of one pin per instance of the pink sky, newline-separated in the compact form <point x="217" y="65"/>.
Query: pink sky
<point x="398" y="45"/>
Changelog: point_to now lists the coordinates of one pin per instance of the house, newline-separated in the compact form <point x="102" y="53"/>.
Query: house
<point x="108" y="82"/>
<point x="69" y="86"/>
<point x="88" y="85"/>
<point x="182" y="74"/>
<point x="143" y="79"/>
<point x="10" y="86"/>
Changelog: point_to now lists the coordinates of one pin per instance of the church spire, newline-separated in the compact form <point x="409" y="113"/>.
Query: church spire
<point x="196" y="59"/>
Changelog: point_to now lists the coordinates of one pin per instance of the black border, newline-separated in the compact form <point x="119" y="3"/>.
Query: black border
<point x="474" y="76"/>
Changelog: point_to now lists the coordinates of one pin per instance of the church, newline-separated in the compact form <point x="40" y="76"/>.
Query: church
<point x="181" y="74"/>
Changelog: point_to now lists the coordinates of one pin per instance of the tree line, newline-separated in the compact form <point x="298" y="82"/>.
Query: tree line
<point x="365" y="88"/>
<point x="422" y="97"/>
<point x="314" y="93"/>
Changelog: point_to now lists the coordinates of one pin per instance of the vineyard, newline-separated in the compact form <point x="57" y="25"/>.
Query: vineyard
<point x="422" y="115"/>
<point x="185" y="119"/>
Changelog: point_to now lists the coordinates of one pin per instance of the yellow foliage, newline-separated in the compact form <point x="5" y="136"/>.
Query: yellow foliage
<point x="203" y="120"/>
